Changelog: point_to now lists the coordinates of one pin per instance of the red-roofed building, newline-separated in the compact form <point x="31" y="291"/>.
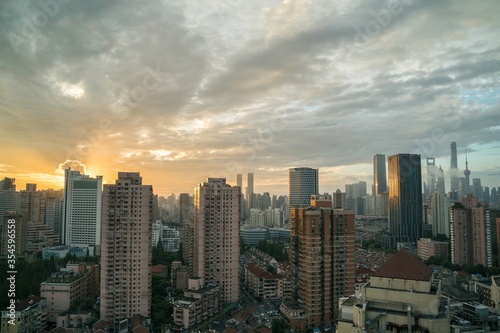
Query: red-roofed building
<point x="266" y="285"/>
<point x="362" y="275"/>
<point x="159" y="270"/>
<point x="400" y="294"/>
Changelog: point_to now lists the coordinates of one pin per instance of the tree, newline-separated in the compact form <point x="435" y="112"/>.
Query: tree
<point x="278" y="325"/>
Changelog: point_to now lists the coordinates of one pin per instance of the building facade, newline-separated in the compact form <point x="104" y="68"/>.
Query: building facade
<point x="200" y="302"/>
<point x="405" y="198"/>
<point x="126" y="248"/>
<point x="323" y="265"/>
<point x="82" y="203"/>
<point x="30" y="315"/>
<point x="401" y="296"/>
<point x="470" y="233"/>
<point x="217" y="236"/>
<point x="302" y="183"/>
<point x="427" y="248"/>
<point x="76" y="282"/>
<point x="379" y="174"/>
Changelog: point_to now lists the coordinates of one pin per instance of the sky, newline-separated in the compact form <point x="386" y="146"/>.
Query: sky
<point x="184" y="90"/>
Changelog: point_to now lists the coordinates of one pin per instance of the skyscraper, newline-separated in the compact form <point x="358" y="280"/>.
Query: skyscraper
<point x="249" y="192"/>
<point x="239" y="180"/>
<point x="405" y="198"/>
<point x="126" y="248"/>
<point x="431" y="175"/>
<point x="323" y="263"/>
<point x="81" y="209"/>
<point x="454" y="169"/>
<point x="470" y="233"/>
<point x="477" y="189"/>
<point x="379" y="174"/>
<point x="440" y="181"/>
<point x="217" y="235"/>
<point x="302" y="183"/>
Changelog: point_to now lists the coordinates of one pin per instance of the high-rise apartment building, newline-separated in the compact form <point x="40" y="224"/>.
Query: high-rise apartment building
<point x="249" y="192"/>
<point x="53" y="215"/>
<point x="379" y="174"/>
<point x="184" y="208"/>
<point x="470" y="233"/>
<point x="216" y="235"/>
<point x="323" y="264"/>
<point x="126" y="248"/>
<point x="8" y="196"/>
<point x="302" y="183"/>
<point x="32" y="204"/>
<point x="405" y="198"/>
<point x="82" y="203"/>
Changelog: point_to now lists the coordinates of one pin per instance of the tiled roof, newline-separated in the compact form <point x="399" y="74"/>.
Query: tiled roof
<point x="403" y="265"/>
<point x="260" y="272"/>
<point x="27" y="302"/>
<point x="158" y="268"/>
<point x="360" y="270"/>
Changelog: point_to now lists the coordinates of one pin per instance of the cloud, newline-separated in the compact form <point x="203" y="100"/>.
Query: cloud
<point x="73" y="165"/>
<point x="171" y="88"/>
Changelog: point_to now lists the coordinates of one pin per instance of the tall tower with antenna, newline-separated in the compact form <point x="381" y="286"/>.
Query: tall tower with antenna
<point x="454" y="170"/>
<point x="467" y="175"/>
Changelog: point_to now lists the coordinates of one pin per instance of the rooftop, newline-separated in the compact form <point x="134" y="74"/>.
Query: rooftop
<point x="260" y="272"/>
<point x="403" y="265"/>
<point x="27" y="302"/>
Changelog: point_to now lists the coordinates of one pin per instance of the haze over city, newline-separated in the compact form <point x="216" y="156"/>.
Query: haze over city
<point x="184" y="91"/>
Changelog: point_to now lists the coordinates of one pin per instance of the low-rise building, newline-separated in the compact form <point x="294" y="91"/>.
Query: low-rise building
<point x="159" y="270"/>
<point x="200" y="302"/>
<point x="427" y="248"/>
<point x="76" y="282"/>
<point x="179" y="275"/>
<point x="28" y="315"/>
<point x="263" y="284"/>
<point x="401" y="294"/>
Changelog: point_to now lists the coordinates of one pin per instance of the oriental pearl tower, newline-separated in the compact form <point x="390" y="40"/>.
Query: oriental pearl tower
<point x="467" y="174"/>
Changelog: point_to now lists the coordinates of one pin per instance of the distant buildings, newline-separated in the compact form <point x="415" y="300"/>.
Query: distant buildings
<point x="322" y="257"/>
<point x="405" y="198"/>
<point x="82" y="203"/>
<point x="470" y="233"/>
<point x="126" y="248"/>
<point x="302" y="183"/>
<point x="440" y="214"/>
<point x="216" y="236"/>
<point x="254" y="235"/>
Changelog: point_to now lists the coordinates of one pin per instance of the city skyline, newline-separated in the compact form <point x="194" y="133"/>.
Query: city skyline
<point x="187" y="91"/>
